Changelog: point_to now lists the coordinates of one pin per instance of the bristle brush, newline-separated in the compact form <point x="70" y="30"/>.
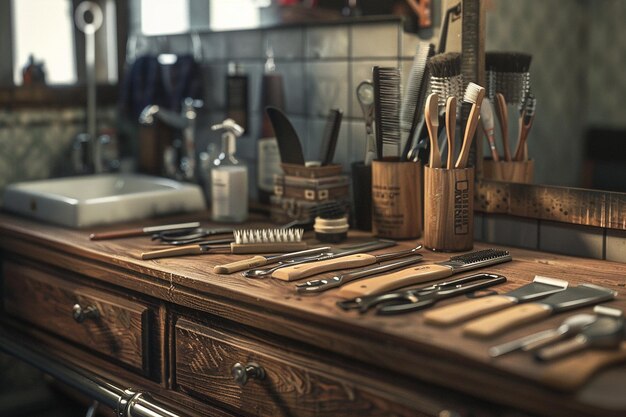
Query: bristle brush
<point x="387" y="109"/>
<point x="473" y="94"/>
<point x="508" y="73"/>
<point x="445" y="76"/>
<point x="446" y="80"/>
<point x="245" y="241"/>
<point x="526" y="122"/>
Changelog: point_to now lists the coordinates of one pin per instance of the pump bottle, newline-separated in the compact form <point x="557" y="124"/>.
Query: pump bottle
<point x="229" y="178"/>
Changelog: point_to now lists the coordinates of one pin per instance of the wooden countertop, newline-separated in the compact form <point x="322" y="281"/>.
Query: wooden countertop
<point x="401" y="344"/>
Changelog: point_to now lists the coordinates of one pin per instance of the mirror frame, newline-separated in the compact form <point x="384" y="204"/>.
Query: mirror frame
<point x="605" y="209"/>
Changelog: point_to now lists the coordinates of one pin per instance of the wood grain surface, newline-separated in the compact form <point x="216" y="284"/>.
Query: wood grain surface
<point x="449" y="209"/>
<point x="403" y="346"/>
<point x="509" y="171"/>
<point x="46" y="301"/>
<point x="396" y="199"/>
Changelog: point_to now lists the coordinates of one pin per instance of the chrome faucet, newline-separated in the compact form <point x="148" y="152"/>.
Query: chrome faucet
<point x="179" y="158"/>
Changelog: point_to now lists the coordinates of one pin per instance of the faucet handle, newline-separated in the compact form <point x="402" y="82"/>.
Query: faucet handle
<point x="192" y="103"/>
<point x="229" y="125"/>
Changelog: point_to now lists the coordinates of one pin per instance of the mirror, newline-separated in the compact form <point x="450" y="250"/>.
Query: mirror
<point x="217" y="15"/>
<point x="578" y="137"/>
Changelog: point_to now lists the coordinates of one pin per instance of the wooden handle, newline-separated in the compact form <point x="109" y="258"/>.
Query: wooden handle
<point x="177" y="251"/>
<point x="291" y="273"/>
<point x="563" y="348"/>
<point x="450" y="128"/>
<point x="244" y="248"/>
<point x="244" y="264"/>
<point x="403" y="278"/>
<point x="432" y="113"/>
<point x="503" y="117"/>
<point x="497" y="323"/>
<point x="465" y="310"/>
<point x="470" y="131"/>
<point x="521" y="153"/>
<point x="570" y="373"/>
<point x="116" y="234"/>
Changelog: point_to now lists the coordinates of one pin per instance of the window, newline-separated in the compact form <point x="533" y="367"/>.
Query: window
<point x="43" y="29"/>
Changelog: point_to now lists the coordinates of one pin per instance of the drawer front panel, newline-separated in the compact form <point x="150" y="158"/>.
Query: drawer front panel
<point x="293" y="386"/>
<point x="119" y="330"/>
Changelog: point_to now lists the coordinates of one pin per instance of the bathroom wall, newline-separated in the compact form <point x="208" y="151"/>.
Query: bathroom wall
<point x="577" y="73"/>
<point x="321" y="66"/>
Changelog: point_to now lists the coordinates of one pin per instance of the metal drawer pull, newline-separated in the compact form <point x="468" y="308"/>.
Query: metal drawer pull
<point x="81" y="314"/>
<point x="242" y="373"/>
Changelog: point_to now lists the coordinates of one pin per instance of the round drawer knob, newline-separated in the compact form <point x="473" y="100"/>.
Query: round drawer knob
<point x="81" y="314"/>
<point x="242" y="373"/>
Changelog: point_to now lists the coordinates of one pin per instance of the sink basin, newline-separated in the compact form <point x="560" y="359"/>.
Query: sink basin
<point x="101" y="199"/>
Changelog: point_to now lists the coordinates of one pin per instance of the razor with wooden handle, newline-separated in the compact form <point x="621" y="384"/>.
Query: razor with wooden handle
<point x="420" y="274"/>
<point x="465" y="310"/>
<point x="261" y="260"/>
<point x="568" y="299"/>
<point x="292" y="273"/>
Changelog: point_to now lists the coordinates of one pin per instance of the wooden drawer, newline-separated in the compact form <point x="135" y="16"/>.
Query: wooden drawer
<point x="294" y="385"/>
<point x="120" y="331"/>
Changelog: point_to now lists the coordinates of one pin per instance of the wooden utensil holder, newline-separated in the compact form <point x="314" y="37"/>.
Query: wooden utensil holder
<point x="509" y="171"/>
<point x="449" y="209"/>
<point x="396" y="205"/>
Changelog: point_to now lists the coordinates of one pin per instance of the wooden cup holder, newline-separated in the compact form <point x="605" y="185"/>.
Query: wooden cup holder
<point x="509" y="171"/>
<point x="396" y="204"/>
<point x="449" y="209"/>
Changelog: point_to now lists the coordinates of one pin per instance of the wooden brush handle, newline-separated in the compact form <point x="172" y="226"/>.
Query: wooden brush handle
<point x="450" y="129"/>
<point x="177" y="251"/>
<point x="465" y="310"/>
<point x="570" y="373"/>
<point x="403" y="278"/>
<point x="508" y="319"/>
<point x="243" y="248"/>
<point x="244" y="264"/>
<point x="116" y="234"/>
<point x="522" y="148"/>
<point x="564" y="348"/>
<point x="503" y="117"/>
<point x="470" y="131"/>
<point x="291" y="273"/>
<point x="430" y="109"/>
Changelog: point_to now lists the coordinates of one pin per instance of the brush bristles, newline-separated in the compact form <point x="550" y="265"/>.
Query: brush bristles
<point x="245" y="236"/>
<point x="507" y="73"/>
<point x="507" y="61"/>
<point x="387" y="100"/>
<point x="445" y="76"/>
<point x="445" y="65"/>
<point x="472" y="91"/>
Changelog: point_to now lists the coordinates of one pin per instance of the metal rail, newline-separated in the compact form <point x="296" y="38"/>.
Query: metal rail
<point x="125" y="402"/>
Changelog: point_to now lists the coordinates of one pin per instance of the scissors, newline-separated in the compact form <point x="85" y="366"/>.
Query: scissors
<point x="188" y="236"/>
<point x="419" y="298"/>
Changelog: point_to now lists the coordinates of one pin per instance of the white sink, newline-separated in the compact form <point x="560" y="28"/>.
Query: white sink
<point x="101" y="199"/>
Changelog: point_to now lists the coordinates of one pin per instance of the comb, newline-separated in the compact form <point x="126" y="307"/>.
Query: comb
<point x="387" y="109"/>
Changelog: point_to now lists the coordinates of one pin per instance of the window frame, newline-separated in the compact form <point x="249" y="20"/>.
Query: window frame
<point x="13" y="96"/>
